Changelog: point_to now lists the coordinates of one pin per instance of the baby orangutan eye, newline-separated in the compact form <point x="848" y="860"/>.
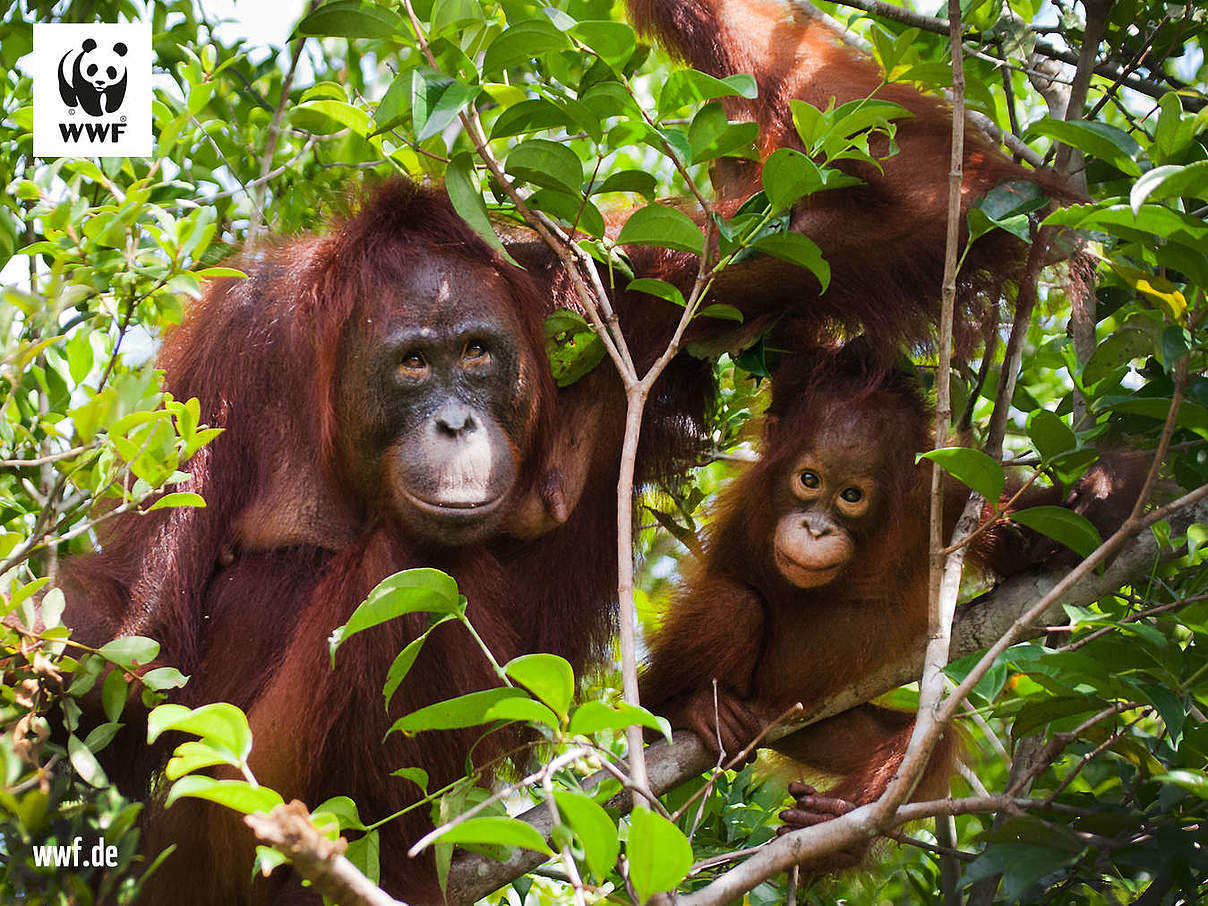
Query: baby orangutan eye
<point x="810" y="479"/>
<point x="852" y="495"/>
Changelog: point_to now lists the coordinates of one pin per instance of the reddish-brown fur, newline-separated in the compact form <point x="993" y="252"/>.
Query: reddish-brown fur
<point x="884" y="240"/>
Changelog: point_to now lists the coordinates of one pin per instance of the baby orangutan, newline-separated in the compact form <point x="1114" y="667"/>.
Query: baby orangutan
<point x="814" y="577"/>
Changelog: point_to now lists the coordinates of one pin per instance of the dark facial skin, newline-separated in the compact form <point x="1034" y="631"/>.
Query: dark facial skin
<point x="437" y="402"/>
<point x="830" y="495"/>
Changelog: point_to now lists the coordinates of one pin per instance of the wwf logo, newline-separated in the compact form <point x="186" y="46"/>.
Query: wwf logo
<point x="93" y="77"/>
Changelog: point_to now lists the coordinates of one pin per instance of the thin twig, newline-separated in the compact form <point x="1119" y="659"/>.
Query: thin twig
<point x="273" y="136"/>
<point x="1082" y="641"/>
<point x="48" y="458"/>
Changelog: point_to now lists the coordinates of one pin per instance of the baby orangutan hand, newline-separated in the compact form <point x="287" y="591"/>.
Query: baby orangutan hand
<point x="726" y="726"/>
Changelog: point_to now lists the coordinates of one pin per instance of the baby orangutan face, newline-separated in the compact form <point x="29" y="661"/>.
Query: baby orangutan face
<point x="831" y="498"/>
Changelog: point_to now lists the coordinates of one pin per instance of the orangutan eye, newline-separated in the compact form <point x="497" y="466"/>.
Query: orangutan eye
<point x="412" y="365"/>
<point x="810" y="480"/>
<point x="852" y="495"/>
<point x="474" y="352"/>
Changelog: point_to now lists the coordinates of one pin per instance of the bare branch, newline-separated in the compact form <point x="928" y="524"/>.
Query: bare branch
<point x="273" y="136"/>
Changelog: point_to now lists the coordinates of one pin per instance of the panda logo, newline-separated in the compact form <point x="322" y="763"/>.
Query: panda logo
<point x="92" y="78"/>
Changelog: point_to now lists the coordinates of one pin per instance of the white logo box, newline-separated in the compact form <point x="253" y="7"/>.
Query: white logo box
<point x="92" y="89"/>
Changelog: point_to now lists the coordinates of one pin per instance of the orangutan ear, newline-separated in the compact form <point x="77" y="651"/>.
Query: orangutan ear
<point x="771" y="425"/>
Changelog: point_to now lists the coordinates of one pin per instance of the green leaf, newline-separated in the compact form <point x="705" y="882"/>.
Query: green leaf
<point x="613" y="42"/>
<point x="529" y="116"/>
<point x="571" y="209"/>
<point x="1096" y="139"/>
<point x="712" y="135"/>
<point x="688" y="86"/>
<point x="410" y="591"/>
<point x="365" y="853"/>
<point x="352" y="19"/>
<point x="799" y="250"/>
<point x="219" y="724"/>
<point x="495" y="831"/>
<point x="1195" y="781"/>
<point x="973" y="468"/>
<point x="462" y="186"/>
<point x="1049" y="434"/>
<point x="114" y="694"/>
<point x="1176" y="343"/>
<point x="1171" y="181"/>
<point x="436" y="100"/>
<point x="658" y="288"/>
<point x="662" y="226"/>
<point x="638" y="181"/>
<point x="572" y="346"/>
<point x="523" y="709"/>
<point x="1191" y="415"/>
<point x="162" y="678"/>
<point x="344" y="810"/>
<point x="394" y="106"/>
<point x="659" y="854"/>
<point x="1020" y="865"/>
<point x="1175" y="130"/>
<point x="863" y="114"/>
<point x="100" y="736"/>
<point x="522" y="42"/>
<point x="449" y="13"/>
<point x="235" y="794"/>
<point x="1170" y="706"/>
<point x="130" y="651"/>
<point x="545" y="163"/>
<point x="1008" y="199"/>
<point x="979" y="224"/>
<point x="721" y="313"/>
<point x="85" y="763"/>
<point x="193" y="755"/>
<point x="404" y="661"/>
<point x="418" y="776"/>
<point x="592" y="717"/>
<point x="468" y="710"/>
<point x="1197" y="539"/>
<point x="607" y="99"/>
<point x="547" y="676"/>
<point x="213" y="273"/>
<point x="1118" y="349"/>
<point x="266" y="862"/>
<point x="178" y="499"/>
<point x="595" y="830"/>
<point x="1071" y="529"/>
<point x="787" y="176"/>
<point x="341" y="112"/>
<point x="1143" y="224"/>
<point x="1036" y="714"/>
